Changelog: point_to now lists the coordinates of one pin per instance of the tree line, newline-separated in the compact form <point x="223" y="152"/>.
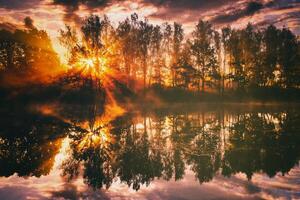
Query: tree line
<point x="207" y="59"/>
<point x="163" y="55"/>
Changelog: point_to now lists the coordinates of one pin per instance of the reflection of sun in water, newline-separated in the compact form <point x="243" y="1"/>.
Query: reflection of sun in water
<point x="63" y="152"/>
<point x="98" y="138"/>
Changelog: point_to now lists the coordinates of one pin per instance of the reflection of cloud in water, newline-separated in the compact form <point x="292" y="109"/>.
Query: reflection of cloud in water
<point x="236" y="187"/>
<point x="151" y="150"/>
<point x="19" y="192"/>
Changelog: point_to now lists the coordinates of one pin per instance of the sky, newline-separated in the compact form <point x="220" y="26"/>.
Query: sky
<point x="52" y="15"/>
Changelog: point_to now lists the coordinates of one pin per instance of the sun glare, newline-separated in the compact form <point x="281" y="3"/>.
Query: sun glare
<point x="100" y="138"/>
<point x="96" y="67"/>
<point x="87" y="62"/>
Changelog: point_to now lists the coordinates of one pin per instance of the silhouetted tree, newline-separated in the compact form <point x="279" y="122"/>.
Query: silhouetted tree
<point x="204" y="53"/>
<point x="270" y="55"/>
<point x="28" y="50"/>
<point x="288" y="58"/>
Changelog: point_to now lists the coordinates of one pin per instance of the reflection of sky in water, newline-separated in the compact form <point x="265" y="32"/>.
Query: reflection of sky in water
<point x="192" y="147"/>
<point x="235" y="187"/>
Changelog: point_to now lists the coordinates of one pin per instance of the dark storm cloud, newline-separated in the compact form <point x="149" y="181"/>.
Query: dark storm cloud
<point x="250" y="9"/>
<point x="18" y="4"/>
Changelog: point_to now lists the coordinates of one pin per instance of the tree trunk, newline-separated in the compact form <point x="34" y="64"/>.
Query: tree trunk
<point x="10" y="52"/>
<point x="223" y="74"/>
<point x="203" y="86"/>
<point x="144" y="73"/>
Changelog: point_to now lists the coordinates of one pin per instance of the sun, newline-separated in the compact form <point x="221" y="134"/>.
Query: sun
<point x="95" y="66"/>
<point x="101" y="137"/>
<point x="87" y="62"/>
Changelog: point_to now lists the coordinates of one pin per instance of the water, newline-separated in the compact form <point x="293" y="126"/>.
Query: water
<point x="181" y="152"/>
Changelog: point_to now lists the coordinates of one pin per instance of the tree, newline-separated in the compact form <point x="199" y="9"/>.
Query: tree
<point x="204" y="52"/>
<point x="127" y="37"/>
<point x="251" y="45"/>
<point x="167" y="51"/>
<point x="235" y="62"/>
<point x="184" y="71"/>
<point x="287" y="58"/>
<point x="219" y="73"/>
<point x="156" y="51"/>
<point x="27" y="51"/>
<point x="88" y="54"/>
<point x="270" y="40"/>
<point x="224" y="40"/>
<point x="143" y="40"/>
<point x="176" y="49"/>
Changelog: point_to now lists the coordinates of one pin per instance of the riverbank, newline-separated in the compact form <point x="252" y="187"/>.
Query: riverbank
<point x="152" y="97"/>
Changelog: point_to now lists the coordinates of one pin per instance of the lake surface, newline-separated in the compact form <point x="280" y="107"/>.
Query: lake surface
<point x="182" y="152"/>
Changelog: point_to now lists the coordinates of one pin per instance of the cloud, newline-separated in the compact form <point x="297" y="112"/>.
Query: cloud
<point x="261" y="13"/>
<point x="19" y="192"/>
<point x="76" y="3"/>
<point x="28" y="22"/>
<point x="19" y="4"/>
<point x="71" y="191"/>
<point x="187" y="12"/>
<point x="72" y="6"/>
<point x="8" y="26"/>
<point x="183" y="4"/>
<point x="288" y="17"/>
<point x="188" y="4"/>
<point x="52" y="14"/>
<point x="250" y="9"/>
<point x="165" y="9"/>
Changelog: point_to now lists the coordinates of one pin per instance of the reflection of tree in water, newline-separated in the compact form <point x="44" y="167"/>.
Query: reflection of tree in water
<point x="29" y="143"/>
<point x="137" y="162"/>
<point x="205" y="156"/>
<point x="259" y="144"/>
<point x="137" y="149"/>
<point x="162" y="147"/>
<point x="91" y="145"/>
